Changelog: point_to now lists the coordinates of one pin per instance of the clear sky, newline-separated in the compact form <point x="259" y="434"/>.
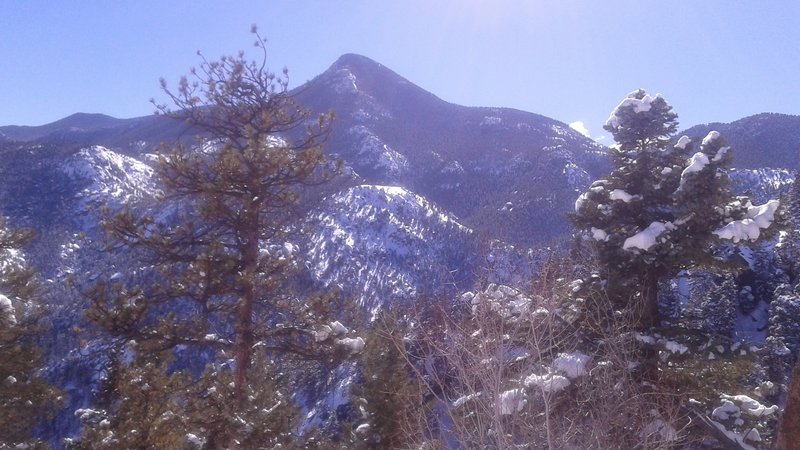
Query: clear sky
<point x="572" y="60"/>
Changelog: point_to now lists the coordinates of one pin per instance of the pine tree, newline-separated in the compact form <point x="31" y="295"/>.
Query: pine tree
<point x="662" y="207"/>
<point x="218" y="276"/>
<point x="793" y="201"/>
<point x="392" y="397"/>
<point x="719" y="307"/>
<point x="787" y="251"/>
<point x="25" y="398"/>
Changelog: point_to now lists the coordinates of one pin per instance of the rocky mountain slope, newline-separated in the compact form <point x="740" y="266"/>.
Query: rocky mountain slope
<point x="477" y="163"/>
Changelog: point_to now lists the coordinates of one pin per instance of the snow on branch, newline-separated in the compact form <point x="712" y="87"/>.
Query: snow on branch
<point x="647" y="238"/>
<point x="639" y="106"/>
<point x="749" y="228"/>
<point x="683" y="142"/>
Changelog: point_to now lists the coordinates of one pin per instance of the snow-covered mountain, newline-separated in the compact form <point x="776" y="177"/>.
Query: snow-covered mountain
<point x="441" y="198"/>
<point x="476" y="163"/>
<point x="385" y="244"/>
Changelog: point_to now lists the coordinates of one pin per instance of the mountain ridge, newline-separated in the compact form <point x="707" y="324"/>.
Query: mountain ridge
<point x="461" y="157"/>
<point x="760" y="140"/>
<point x="475" y="162"/>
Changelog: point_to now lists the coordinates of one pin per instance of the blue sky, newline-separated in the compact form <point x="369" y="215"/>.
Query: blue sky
<point x="572" y="60"/>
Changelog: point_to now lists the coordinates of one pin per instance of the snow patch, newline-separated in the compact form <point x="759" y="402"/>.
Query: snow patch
<point x="683" y="142"/>
<point x="383" y="240"/>
<point x="749" y="228"/>
<point x="573" y="365"/>
<point x="194" y="440"/>
<point x="638" y="105"/>
<point x="548" y="383"/>
<point x="663" y="429"/>
<point x="337" y="328"/>
<point x="675" y="347"/>
<point x="725" y="411"/>
<point x="647" y="238"/>
<point x="750" y="406"/>
<point x="580" y="201"/>
<point x="697" y="162"/>
<point x="619" y="194"/>
<point x="506" y="301"/>
<point x="465" y="398"/>
<point x="372" y="150"/>
<point x="720" y="154"/>
<point x="490" y="121"/>
<point x="511" y="401"/>
<point x="599" y="235"/>
<point x="711" y="137"/>
<point x="344" y="82"/>
<point x="7" y="310"/>
<point x="353" y="345"/>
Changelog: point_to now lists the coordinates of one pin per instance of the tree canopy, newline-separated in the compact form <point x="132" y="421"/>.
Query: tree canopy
<point x="663" y="206"/>
<point x="25" y="397"/>
<point x="217" y="296"/>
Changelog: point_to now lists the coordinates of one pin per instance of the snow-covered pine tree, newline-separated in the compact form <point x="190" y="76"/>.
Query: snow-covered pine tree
<point x="662" y="206"/>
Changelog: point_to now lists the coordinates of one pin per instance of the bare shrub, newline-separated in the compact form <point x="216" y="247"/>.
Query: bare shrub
<point x="503" y="368"/>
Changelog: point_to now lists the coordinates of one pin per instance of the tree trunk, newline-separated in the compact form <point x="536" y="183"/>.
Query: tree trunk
<point x="647" y="312"/>
<point x="789" y="429"/>
<point x="244" y="320"/>
<point x="646" y="317"/>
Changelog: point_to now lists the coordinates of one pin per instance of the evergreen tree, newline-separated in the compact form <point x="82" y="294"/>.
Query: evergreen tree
<point x="787" y="251"/>
<point x="25" y="398"/>
<point x="218" y="276"/>
<point x="392" y="397"/>
<point x="793" y="201"/>
<point x="662" y="207"/>
<point x="719" y="307"/>
<point x="784" y="329"/>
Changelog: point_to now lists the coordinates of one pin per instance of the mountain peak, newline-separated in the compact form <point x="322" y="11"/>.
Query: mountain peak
<point x="358" y="75"/>
<point x="85" y="121"/>
<point x="358" y="68"/>
<point x="357" y="63"/>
